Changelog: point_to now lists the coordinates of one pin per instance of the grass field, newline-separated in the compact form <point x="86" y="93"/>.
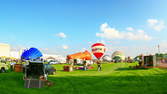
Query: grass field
<point x="114" y="79"/>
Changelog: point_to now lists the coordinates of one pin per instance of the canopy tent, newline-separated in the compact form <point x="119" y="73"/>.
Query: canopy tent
<point x="81" y="55"/>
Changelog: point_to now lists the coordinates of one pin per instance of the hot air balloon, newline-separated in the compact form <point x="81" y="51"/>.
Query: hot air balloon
<point x="98" y="49"/>
<point x="106" y="58"/>
<point x="32" y="53"/>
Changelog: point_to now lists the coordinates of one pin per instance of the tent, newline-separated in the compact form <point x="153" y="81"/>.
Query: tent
<point x="81" y="55"/>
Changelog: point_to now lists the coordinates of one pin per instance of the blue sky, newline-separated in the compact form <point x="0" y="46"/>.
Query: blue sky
<point x="138" y="25"/>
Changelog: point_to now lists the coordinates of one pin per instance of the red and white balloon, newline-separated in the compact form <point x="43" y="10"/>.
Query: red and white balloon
<point x="98" y="49"/>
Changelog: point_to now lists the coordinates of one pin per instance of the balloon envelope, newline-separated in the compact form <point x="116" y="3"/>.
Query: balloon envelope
<point x="107" y="58"/>
<point x="32" y="53"/>
<point x="98" y="49"/>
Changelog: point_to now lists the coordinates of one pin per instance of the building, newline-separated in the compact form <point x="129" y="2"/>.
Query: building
<point x="4" y="50"/>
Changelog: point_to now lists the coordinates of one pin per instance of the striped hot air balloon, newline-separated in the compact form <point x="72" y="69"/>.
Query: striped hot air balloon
<point x="98" y="49"/>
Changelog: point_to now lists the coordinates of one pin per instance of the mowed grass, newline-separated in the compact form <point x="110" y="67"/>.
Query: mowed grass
<point x="113" y="79"/>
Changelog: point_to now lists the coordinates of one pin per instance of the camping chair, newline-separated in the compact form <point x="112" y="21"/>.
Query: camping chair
<point x="33" y="74"/>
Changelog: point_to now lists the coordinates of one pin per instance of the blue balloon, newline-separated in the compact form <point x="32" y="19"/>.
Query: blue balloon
<point x="32" y="53"/>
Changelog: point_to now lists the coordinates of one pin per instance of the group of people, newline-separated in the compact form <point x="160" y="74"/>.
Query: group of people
<point x="99" y="65"/>
<point x="85" y="64"/>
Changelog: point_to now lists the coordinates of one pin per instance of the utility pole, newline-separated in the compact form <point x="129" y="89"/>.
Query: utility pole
<point x="158" y="48"/>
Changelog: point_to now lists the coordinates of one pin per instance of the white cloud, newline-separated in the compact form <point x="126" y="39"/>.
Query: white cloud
<point x="112" y="33"/>
<point x="61" y="35"/>
<point x="90" y="42"/>
<point x="130" y="29"/>
<point x="65" y="47"/>
<point x="101" y="41"/>
<point x="83" y="49"/>
<point x="157" y="25"/>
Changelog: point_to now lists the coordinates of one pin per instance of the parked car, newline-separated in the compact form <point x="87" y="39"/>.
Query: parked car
<point x="49" y="69"/>
<point x="54" y="62"/>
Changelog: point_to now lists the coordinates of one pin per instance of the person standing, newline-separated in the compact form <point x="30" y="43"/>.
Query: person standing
<point x="85" y="65"/>
<point x="99" y="66"/>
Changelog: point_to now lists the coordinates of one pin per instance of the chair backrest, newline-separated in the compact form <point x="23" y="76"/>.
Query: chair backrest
<point x="35" y="70"/>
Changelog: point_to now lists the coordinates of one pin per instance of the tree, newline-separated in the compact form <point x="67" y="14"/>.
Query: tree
<point x="117" y="59"/>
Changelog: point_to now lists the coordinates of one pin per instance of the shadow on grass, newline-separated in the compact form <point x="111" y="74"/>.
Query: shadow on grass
<point x="110" y="84"/>
<point x="128" y="68"/>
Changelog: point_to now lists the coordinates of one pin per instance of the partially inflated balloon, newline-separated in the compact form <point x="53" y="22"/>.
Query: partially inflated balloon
<point x="98" y="49"/>
<point x="32" y="53"/>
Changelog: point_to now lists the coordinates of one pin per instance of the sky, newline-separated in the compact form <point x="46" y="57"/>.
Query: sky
<point x="68" y="26"/>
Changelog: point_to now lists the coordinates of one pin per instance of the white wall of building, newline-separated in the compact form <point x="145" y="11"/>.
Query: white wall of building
<point x="4" y="50"/>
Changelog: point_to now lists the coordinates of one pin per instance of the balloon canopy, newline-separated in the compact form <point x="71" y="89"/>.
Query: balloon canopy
<point x="98" y="49"/>
<point x="32" y="53"/>
<point x="106" y="58"/>
<point x="81" y="55"/>
<point x="118" y="54"/>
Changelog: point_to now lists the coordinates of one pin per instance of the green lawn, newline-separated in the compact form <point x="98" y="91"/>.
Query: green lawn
<point x="114" y="79"/>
